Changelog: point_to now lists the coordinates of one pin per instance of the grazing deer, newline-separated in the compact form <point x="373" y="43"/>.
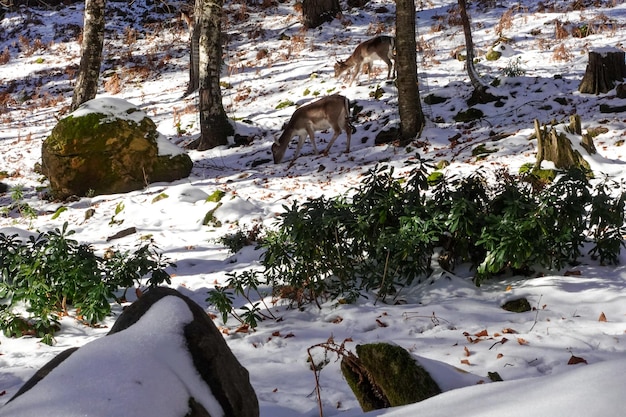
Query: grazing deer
<point x="325" y="113"/>
<point x="380" y="47"/>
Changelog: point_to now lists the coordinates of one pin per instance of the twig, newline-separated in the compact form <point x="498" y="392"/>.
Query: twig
<point x="536" y="314"/>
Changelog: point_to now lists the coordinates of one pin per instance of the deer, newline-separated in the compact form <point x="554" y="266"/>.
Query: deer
<point x="380" y="47"/>
<point x="328" y="112"/>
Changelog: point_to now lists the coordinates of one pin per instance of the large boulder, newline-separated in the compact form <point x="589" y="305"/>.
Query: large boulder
<point x="164" y="357"/>
<point x="109" y="146"/>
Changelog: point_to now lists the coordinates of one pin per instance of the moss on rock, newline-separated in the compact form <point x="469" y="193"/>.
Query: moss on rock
<point x="385" y="375"/>
<point x="97" y="153"/>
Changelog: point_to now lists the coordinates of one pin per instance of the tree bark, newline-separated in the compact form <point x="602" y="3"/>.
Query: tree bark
<point x="86" y="86"/>
<point x="316" y="12"/>
<point x="605" y="67"/>
<point x="214" y="124"/>
<point x="480" y="94"/>
<point x="194" y="56"/>
<point x="555" y="147"/>
<point x="409" y="105"/>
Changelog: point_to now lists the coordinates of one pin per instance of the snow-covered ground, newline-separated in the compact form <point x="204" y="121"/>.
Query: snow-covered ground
<point x="447" y="322"/>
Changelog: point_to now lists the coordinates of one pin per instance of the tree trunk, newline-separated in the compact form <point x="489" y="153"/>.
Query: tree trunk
<point x="214" y="124"/>
<point x="555" y="147"/>
<point x="409" y="106"/>
<point x="316" y="12"/>
<point x="480" y="94"/>
<point x="93" y="40"/>
<point x="605" y="67"/>
<point x="194" y="55"/>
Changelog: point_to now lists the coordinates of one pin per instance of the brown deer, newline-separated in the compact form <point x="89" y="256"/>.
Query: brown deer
<point x="325" y="113"/>
<point x="380" y="47"/>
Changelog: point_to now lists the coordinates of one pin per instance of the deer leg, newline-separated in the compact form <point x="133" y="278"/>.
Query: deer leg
<point x="301" y="139"/>
<point x="357" y="68"/>
<point x="337" y="131"/>
<point x="348" y="129"/>
<point x="311" y="133"/>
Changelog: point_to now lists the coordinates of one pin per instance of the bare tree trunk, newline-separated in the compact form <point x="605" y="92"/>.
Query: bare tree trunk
<point x="603" y="70"/>
<point x="214" y="124"/>
<point x="409" y="106"/>
<point x="93" y="40"/>
<point x="316" y="12"/>
<point x="480" y="89"/>
<point x="194" y="58"/>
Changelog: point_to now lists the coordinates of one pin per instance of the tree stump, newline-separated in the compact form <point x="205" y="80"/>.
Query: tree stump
<point x="557" y="147"/>
<point x="605" y="67"/>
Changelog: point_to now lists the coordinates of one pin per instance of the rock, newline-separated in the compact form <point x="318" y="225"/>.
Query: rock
<point x="138" y="348"/>
<point x="385" y="375"/>
<point x="109" y="146"/>
<point x="519" y="305"/>
<point x="228" y="379"/>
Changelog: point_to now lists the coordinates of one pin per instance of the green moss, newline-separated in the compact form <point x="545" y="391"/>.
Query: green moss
<point x="160" y="197"/>
<point x="442" y="164"/>
<point x="520" y="305"/>
<point x="434" y="178"/>
<point x="215" y="196"/>
<point x="538" y="174"/>
<point x="402" y="380"/>
<point x="360" y="386"/>
<point x="284" y="104"/>
<point x="493" y="55"/>
<point x="210" y="219"/>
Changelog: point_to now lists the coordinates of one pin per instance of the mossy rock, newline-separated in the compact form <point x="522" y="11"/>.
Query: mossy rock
<point x="537" y="175"/>
<point x="482" y="150"/>
<point x="434" y="178"/>
<point x="520" y="305"/>
<point x="433" y="99"/>
<point x="493" y="55"/>
<point x="386" y="375"/>
<point x="469" y="115"/>
<point x="108" y="146"/>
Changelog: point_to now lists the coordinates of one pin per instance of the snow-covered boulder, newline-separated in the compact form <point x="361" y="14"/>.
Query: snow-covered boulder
<point x="109" y="146"/>
<point x="164" y="357"/>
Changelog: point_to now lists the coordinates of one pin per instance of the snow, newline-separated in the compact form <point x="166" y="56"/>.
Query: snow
<point x="141" y="360"/>
<point x="453" y="328"/>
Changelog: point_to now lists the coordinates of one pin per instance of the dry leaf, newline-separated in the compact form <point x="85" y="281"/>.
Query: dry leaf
<point x="499" y="355"/>
<point x="244" y="328"/>
<point x="496" y="334"/>
<point x="276" y="334"/>
<point x="575" y="359"/>
<point x="337" y="320"/>
<point x="602" y="317"/>
<point x="290" y="335"/>
<point x="275" y="390"/>
<point x="465" y="362"/>
<point x="508" y="330"/>
<point x="380" y="323"/>
<point x="467" y="352"/>
<point x="482" y="333"/>
<point x="574" y="272"/>
<point x="508" y="288"/>
<point x="522" y="341"/>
